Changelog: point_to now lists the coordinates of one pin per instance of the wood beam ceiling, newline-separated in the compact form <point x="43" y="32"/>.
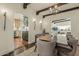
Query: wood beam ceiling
<point x="67" y="10"/>
<point x="25" y="5"/>
<point x="59" y="4"/>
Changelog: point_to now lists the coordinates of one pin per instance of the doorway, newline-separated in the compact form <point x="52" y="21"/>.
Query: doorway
<point x="20" y="34"/>
<point x="60" y="28"/>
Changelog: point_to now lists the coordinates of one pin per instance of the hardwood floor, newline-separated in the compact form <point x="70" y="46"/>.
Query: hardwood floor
<point x="20" y="45"/>
<point x="20" y="42"/>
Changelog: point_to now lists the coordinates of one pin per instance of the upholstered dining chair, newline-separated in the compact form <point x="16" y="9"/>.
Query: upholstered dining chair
<point x="45" y="48"/>
<point x="73" y="44"/>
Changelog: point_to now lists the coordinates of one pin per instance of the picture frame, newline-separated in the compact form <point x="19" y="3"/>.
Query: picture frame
<point x="25" y="21"/>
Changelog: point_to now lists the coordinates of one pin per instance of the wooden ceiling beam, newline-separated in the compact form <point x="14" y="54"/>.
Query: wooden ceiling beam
<point x="67" y="10"/>
<point x="25" y="5"/>
<point x="59" y="4"/>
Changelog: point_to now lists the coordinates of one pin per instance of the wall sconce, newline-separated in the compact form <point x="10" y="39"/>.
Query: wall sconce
<point x="4" y="21"/>
<point x="40" y="24"/>
<point x="4" y="12"/>
<point x="34" y="21"/>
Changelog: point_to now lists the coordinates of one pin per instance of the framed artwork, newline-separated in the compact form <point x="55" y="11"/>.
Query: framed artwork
<point x="17" y="23"/>
<point x="25" y="21"/>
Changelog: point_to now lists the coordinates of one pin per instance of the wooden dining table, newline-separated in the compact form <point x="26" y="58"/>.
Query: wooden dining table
<point x="45" y="37"/>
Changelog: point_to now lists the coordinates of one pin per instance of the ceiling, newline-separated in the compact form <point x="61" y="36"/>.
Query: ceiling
<point x="39" y="6"/>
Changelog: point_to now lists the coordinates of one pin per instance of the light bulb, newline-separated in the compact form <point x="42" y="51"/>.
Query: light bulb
<point x="40" y="22"/>
<point x="56" y="6"/>
<point x="34" y="20"/>
<point x="50" y="10"/>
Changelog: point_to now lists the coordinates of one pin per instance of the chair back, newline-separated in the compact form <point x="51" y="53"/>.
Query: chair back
<point x="45" y="48"/>
<point x="73" y="42"/>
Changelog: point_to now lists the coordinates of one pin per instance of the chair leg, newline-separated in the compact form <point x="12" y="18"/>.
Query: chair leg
<point x="38" y="54"/>
<point x="35" y="48"/>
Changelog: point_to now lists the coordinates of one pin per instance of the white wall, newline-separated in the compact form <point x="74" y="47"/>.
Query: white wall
<point x="47" y="24"/>
<point x="6" y="37"/>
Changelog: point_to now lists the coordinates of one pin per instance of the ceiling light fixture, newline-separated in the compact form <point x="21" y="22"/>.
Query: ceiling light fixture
<point x="56" y="8"/>
<point x="50" y="9"/>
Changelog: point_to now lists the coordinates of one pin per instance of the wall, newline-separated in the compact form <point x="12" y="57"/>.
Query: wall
<point x="6" y="37"/>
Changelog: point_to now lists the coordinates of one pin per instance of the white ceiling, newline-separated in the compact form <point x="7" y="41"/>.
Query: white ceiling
<point x="39" y="6"/>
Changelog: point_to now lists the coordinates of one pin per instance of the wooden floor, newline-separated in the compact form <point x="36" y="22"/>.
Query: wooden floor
<point x="19" y="42"/>
<point x="20" y="45"/>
